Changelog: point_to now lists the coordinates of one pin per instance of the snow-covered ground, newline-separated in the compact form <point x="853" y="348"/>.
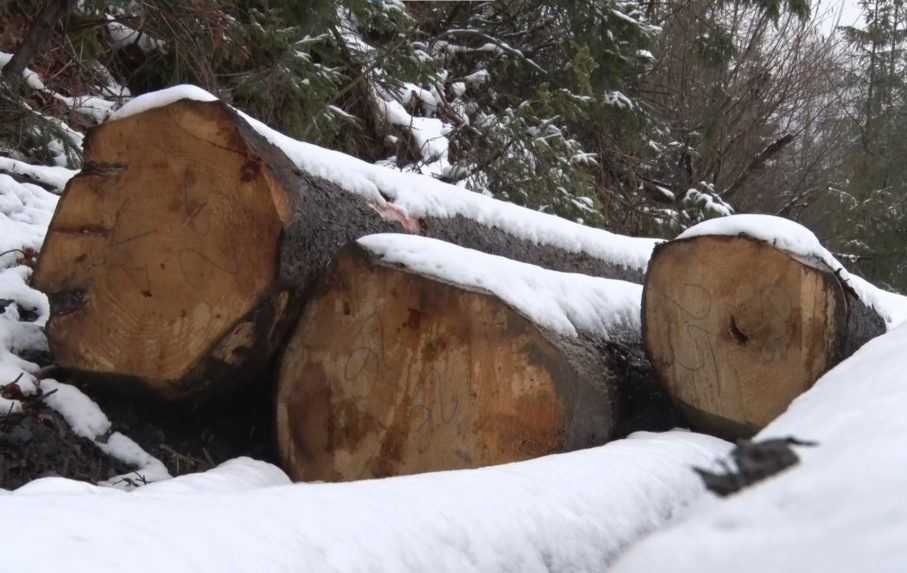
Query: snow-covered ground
<point x="570" y="512"/>
<point x="843" y="508"/>
<point x="568" y="303"/>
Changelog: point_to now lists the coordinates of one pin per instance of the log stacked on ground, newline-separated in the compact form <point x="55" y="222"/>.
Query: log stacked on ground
<point x="736" y="328"/>
<point x="172" y="259"/>
<point x="415" y="355"/>
<point x="177" y="258"/>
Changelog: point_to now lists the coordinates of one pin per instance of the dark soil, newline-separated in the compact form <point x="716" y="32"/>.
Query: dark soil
<point x="186" y="438"/>
<point x="191" y="437"/>
<point x="39" y="443"/>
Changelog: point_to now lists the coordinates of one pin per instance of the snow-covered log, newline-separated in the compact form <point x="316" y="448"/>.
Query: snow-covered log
<point x="416" y="355"/>
<point x="743" y="314"/>
<point x="177" y="256"/>
<point x="570" y="512"/>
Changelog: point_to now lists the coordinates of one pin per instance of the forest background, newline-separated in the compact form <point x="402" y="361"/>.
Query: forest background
<point x="643" y="117"/>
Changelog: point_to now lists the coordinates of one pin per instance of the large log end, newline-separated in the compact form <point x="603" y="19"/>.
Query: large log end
<point x="390" y="372"/>
<point x="736" y="329"/>
<point x="163" y="251"/>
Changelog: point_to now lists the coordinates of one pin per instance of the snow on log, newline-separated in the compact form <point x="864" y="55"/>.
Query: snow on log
<point x="177" y="257"/>
<point x="841" y="509"/>
<point x="569" y="512"/>
<point x="416" y="355"/>
<point x="743" y="314"/>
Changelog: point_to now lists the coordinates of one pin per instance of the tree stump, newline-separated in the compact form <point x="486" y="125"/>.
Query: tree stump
<point x="391" y="371"/>
<point x="736" y="329"/>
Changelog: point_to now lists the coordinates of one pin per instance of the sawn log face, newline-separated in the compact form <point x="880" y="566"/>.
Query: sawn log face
<point x="736" y="329"/>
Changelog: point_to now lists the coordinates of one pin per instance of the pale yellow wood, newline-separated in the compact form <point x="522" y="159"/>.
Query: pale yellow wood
<point x="170" y="237"/>
<point x="737" y="329"/>
<point x="390" y="373"/>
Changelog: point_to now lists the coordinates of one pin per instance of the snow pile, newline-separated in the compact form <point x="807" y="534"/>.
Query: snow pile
<point x="161" y="98"/>
<point x="797" y="240"/>
<point x="568" y="512"/>
<point x="420" y="196"/>
<point x="25" y="212"/>
<point x="429" y="133"/>
<point x="122" y="36"/>
<point x="564" y="302"/>
<point x="842" y="509"/>
<point x="53" y="177"/>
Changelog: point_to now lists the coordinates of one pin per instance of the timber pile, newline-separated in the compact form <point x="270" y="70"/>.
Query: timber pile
<point x="191" y="255"/>
<point x="177" y="258"/>
<point x="737" y="328"/>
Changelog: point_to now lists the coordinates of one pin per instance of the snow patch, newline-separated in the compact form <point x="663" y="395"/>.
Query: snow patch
<point x="568" y="512"/>
<point x="161" y="98"/>
<point x="567" y="303"/>
<point x="55" y="177"/>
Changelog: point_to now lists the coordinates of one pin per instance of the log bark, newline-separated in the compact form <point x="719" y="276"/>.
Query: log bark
<point x="178" y="257"/>
<point x="736" y="329"/>
<point x="392" y="372"/>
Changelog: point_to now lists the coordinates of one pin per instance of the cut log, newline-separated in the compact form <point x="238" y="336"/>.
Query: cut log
<point x="736" y="328"/>
<point x="174" y="257"/>
<point x="414" y="355"/>
<point x="178" y="257"/>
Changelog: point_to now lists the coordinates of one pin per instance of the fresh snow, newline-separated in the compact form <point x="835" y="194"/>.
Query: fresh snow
<point x="842" y="508"/>
<point x="31" y="77"/>
<point x="25" y="212"/>
<point x="94" y="107"/>
<point x="797" y="240"/>
<point x="567" y="512"/>
<point x="429" y="133"/>
<point x="123" y="36"/>
<point x="567" y="303"/>
<point x="161" y="98"/>
<point x="420" y="196"/>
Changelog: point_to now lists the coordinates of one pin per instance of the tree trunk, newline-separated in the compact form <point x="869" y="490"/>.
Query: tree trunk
<point x="391" y="371"/>
<point x="736" y="329"/>
<point x="178" y="257"/>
